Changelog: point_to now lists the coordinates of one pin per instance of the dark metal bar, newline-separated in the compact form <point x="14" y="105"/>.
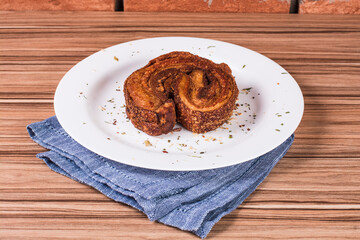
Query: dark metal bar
<point x="119" y="5"/>
<point x="294" y="6"/>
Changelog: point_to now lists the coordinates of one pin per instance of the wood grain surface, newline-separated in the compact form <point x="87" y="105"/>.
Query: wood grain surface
<point x="314" y="192"/>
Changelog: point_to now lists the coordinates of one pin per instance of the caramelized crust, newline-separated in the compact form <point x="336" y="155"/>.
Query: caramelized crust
<point x="180" y="87"/>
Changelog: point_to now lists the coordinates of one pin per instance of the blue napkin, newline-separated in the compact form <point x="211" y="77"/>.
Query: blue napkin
<point x="190" y="200"/>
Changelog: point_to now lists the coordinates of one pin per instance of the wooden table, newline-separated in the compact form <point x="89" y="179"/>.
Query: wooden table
<point x="314" y="192"/>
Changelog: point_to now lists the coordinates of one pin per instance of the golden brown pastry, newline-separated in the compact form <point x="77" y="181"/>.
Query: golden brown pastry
<point x="180" y="87"/>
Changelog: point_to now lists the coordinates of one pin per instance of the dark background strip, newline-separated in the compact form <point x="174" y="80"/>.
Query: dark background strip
<point x="119" y="5"/>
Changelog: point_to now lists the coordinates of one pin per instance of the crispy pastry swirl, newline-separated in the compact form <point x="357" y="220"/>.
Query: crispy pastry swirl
<point x="180" y="87"/>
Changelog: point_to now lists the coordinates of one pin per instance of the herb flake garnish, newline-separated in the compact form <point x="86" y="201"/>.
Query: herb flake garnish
<point x="247" y="89"/>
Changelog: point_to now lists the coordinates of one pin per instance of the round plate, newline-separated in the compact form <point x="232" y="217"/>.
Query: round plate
<point x="90" y="106"/>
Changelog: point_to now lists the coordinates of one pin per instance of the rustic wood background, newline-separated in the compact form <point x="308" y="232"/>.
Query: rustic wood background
<point x="314" y="192"/>
<point x="242" y="6"/>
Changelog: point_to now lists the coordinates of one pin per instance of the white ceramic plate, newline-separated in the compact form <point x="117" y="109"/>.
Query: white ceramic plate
<point x="89" y="105"/>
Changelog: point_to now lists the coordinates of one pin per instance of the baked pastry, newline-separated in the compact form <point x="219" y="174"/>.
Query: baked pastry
<point x="180" y="87"/>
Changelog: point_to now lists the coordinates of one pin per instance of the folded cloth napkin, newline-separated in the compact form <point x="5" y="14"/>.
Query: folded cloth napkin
<point x="190" y="200"/>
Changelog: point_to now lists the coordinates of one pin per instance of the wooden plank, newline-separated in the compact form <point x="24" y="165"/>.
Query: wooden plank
<point x="40" y="84"/>
<point x="38" y="51"/>
<point x="70" y="228"/>
<point x="279" y="190"/>
<point x="68" y="209"/>
<point x="302" y="147"/>
<point x="315" y="137"/>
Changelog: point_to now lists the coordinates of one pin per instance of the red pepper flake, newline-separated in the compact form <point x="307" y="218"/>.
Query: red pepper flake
<point x="115" y="121"/>
<point x="81" y="92"/>
<point x="248" y="129"/>
<point x="177" y="129"/>
<point x="164" y="151"/>
<point x="278" y="83"/>
<point x="108" y="138"/>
